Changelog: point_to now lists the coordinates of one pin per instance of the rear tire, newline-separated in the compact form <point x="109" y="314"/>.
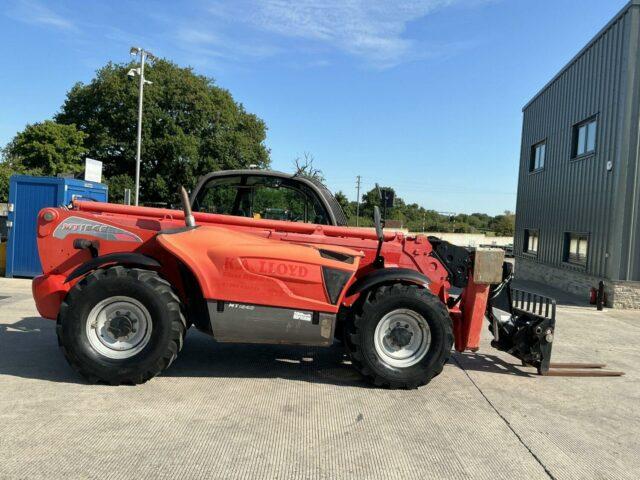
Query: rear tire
<point x="400" y="336"/>
<point x="121" y="326"/>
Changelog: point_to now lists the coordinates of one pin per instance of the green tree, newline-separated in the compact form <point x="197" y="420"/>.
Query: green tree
<point x="503" y="225"/>
<point x="117" y="185"/>
<point x="372" y="198"/>
<point x="5" y="172"/>
<point x="190" y="127"/>
<point x="345" y="204"/>
<point x="47" y="148"/>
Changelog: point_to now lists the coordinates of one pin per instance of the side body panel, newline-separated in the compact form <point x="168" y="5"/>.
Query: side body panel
<point x="240" y="267"/>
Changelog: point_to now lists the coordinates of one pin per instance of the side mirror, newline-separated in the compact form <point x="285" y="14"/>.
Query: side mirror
<point x="377" y="220"/>
<point x="379" y="261"/>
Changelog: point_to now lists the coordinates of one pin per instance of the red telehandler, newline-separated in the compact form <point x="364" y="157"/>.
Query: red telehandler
<point x="265" y="257"/>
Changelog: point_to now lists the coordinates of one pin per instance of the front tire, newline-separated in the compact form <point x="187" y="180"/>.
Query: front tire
<point x="121" y="326"/>
<point x="400" y="336"/>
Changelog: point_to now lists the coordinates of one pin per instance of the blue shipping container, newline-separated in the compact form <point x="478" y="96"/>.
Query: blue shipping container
<point x="27" y="196"/>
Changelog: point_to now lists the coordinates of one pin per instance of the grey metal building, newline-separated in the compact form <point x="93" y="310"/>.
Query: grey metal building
<point x="578" y="206"/>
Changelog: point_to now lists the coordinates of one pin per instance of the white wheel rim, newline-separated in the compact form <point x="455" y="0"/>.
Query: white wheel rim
<point x="119" y="327"/>
<point x="402" y="338"/>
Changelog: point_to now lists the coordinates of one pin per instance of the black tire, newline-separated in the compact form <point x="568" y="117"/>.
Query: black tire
<point x="154" y="293"/>
<point x="368" y="313"/>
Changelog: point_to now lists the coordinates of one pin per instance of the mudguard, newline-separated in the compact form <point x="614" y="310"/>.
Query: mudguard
<point x="387" y="275"/>
<point x="128" y="259"/>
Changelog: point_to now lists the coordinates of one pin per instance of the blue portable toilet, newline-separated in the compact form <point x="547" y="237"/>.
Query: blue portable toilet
<point x="27" y="196"/>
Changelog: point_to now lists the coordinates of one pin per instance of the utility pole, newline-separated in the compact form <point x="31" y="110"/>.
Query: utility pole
<point x="358" y="201"/>
<point x="424" y="214"/>
<point x="144" y="55"/>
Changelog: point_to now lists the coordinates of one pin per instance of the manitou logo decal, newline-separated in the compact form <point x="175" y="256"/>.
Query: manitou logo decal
<point x="77" y="225"/>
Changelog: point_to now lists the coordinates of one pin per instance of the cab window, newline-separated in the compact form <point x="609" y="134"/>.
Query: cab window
<point x="261" y="197"/>
<point x="218" y="197"/>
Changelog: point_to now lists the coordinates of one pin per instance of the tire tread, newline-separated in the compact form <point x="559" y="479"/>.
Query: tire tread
<point x="368" y="305"/>
<point x="165" y="293"/>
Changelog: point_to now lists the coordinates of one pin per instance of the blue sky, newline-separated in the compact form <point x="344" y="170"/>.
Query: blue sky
<point x="421" y="95"/>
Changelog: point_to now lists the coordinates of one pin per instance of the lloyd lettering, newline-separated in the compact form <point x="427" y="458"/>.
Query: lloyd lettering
<point x="288" y="269"/>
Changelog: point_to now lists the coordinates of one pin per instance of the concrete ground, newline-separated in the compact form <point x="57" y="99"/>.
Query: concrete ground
<point x="241" y="411"/>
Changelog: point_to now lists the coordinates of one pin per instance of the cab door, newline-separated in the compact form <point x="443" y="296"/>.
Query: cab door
<point x="262" y="197"/>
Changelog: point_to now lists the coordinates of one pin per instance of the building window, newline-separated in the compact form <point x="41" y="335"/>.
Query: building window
<point x="531" y="239"/>
<point x="536" y="162"/>
<point x="576" y="247"/>
<point x="584" y="137"/>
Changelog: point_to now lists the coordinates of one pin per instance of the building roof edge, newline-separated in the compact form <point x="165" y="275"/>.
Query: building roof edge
<point x="596" y="37"/>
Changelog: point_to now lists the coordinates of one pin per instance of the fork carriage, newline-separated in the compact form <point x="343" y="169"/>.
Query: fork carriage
<point x="527" y="331"/>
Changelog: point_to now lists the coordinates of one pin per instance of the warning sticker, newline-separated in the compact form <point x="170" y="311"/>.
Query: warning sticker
<point x="304" y="316"/>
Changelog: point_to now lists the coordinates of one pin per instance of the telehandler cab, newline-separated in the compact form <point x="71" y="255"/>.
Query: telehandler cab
<point x="125" y="283"/>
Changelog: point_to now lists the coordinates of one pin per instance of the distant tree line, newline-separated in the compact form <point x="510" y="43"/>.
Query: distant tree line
<point x="412" y="216"/>
<point x="419" y="219"/>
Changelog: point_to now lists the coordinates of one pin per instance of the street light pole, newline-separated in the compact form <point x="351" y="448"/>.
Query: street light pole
<point x="358" y="201"/>
<point x="139" y="137"/>
<point x="144" y="54"/>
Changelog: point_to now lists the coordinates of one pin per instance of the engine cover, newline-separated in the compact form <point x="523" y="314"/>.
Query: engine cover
<point x="234" y="266"/>
<point x="246" y="323"/>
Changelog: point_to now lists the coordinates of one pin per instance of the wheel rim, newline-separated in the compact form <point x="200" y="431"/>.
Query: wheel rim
<point x="119" y="327"/>
<point x="402" y="338"/>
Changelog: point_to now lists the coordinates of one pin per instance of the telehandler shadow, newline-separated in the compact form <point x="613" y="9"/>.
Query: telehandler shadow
<point x="29" y="349"/>
<point x="482" y="362"/>
<point x="203" y="357"/>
